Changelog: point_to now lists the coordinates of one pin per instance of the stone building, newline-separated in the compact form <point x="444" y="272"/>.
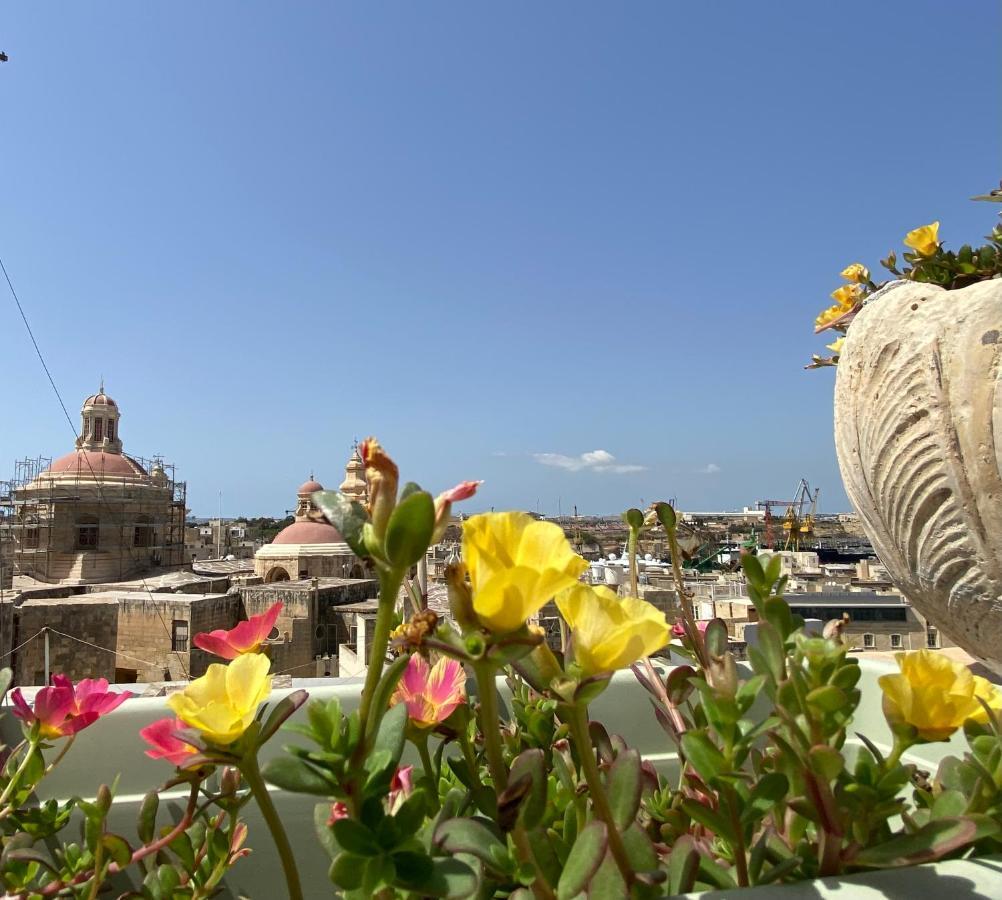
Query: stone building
<point x="309" y="547"/>
<point x="96" y="514"/>
<point x="124" y="636"/>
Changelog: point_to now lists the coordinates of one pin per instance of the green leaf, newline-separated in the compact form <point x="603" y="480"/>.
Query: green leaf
<point x="117" y="848"/>
<point x="414" y="869"/>
<point x="169" y="880"/>
<point x="6" y="676"/>
<point x="346" y="515"/>
<point x="826" y="761"/>
<point x="356" y="838"/>
<point x="409" y="530"/>
<point x="709" y="818"/>
<point x="346" y="871"/>
<point x="705" y="758"/>
<point x="393" y="727"/>
<point x="928" y="844"/>
<point x="452" y="879"/>
<point x="531" y="763"/>
<point x="624" y="788"/>
<point x="767" y="791"/>
<point x="469" y="836"/>
<point x="325" y="836"/>
<point x="411" y="487"/>
<point x="827" y="698"/>
<point x="949" y="803"/>
<point x="683" y="865"/>
<point x="585" y="857"/>
<point x="293" y="774"/>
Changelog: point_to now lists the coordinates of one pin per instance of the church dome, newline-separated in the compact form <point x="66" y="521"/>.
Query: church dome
<point x="95" y="464"/>
<point x="309" y="533"/>
<point x="100" y="399"/>
<point x="309" y="487"/>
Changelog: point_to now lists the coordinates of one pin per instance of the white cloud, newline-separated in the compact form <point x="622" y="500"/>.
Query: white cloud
<point x="592" y="461"/>
<point x="708" y="469"/>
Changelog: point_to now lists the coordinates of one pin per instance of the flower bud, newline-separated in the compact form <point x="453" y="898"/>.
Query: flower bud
<point x="443" y="505"/>
<point x="381" y="476"/>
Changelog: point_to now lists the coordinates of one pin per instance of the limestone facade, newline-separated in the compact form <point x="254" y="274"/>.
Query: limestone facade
<point x="96" y="514"/>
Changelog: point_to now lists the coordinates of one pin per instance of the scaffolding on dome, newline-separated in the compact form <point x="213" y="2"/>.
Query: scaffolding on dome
<point x="52" y="527"/>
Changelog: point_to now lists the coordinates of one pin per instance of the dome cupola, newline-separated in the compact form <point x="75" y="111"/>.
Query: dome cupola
<point x="99" y="424"/>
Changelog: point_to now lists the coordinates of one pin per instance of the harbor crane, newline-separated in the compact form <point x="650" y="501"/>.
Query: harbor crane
<point x="798" y="518"/>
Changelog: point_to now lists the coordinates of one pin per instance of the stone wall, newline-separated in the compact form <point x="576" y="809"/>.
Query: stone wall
<point x="94" y="621"/>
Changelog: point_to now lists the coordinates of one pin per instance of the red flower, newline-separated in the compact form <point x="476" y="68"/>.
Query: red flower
<point x="63" y="710"/>
<point x="338" y="811"/>
<point x="431" y="692"/>
<point x="165" y="744"/>
<point x="246" y="637"/>
<point x="443" y="505"/>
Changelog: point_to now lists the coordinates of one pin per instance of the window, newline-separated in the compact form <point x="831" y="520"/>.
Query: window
<point x="111" y="429"/>
<point x="31" y="538"/>
<point x="179" y="636"/>
<point x="868" y="642"/>
<point x="98" y="429"/>
<point x="143" y="532"/>
<point x="895" y="641"/>
<point x="932" y="639"/>
<point x="87" y="533"/>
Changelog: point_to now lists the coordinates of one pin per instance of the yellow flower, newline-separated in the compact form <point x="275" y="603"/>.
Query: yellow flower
<point x="836" y="346"/>
<point x="609" y="633"/>
<point x="856" y="272"/>
<point x="935" y="694"/>
<point x="924" y="240"/>
<point x="223" y="702"/>
<point x="516" y="564"/>
<point x="847" y="296"/>
<point x="828" y="316"/>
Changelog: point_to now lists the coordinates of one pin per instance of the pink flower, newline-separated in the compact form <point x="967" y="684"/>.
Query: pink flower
<point x="443" y="505"/>
<point x="678" y="629"/>
<point x="246" y="637"/>
<point x="63" y="710"/>
<point x="338" y="811"/>
<point x="165" y="744"/>
<point x="400" y="788"/>
<point x="431" y="694"/>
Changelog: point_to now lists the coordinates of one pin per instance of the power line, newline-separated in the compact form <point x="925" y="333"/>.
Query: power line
<point x="97" y="481"/>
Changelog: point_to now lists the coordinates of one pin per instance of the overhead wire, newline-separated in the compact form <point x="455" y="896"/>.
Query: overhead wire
<point x="76" y="435"/>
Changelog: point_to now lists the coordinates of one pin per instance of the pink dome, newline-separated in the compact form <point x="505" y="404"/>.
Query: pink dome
<point x="309" y="487"/>
<point x="81" y="462"/>
<point x="309" y="533"/>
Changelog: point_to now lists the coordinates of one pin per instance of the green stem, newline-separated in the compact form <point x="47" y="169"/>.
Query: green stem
<point x="578" y="722"/>
<point x="15" y="779"/>
<point x="740" y="852"/>
<point x="421" y="742"/>
<point x="490" y="726"/>
<point x="252" y="775"/>
<point x="632" y="550"/>
<point x="389" y="587"/>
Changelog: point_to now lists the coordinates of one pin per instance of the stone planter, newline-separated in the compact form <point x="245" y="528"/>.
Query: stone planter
<point x="113" y="747"/>
<point x="918" y="431"/>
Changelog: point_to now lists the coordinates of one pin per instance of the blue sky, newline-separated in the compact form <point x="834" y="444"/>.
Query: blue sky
<point x="498" y="236"/>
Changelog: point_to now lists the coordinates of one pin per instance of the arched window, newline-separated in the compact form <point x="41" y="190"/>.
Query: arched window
<point x="98" y="429"/>
<point x="87" y="533"/>
<point x="143" y="536"/>
<point x="868" y="642"/>
<point x="111" y="429"/>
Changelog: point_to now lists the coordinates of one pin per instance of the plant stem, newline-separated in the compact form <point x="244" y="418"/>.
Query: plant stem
<point x="740" y="858"/>
<point x="578" y="722"/>
<point x="490" y="726"/>
<point x="15" y="779"/>
<point x="252" y="775"/>
<point x="631" y="547"/>
<point x="389" y="587"/>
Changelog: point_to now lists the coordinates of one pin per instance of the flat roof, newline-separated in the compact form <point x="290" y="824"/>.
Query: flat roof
<point x="120" y="597"/>
<point x="844" y="598"/>
<point x="305" y="585"/>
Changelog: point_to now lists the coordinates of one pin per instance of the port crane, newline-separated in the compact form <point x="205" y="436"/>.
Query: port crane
<point x="797" y="524"/>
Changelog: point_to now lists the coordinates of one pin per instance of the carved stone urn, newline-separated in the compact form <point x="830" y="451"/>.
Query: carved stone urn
<point x="918" y="431"/>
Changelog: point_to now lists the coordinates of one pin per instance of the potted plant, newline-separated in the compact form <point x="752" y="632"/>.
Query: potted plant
<point x="476" y="761"/>
<point x="918" y="422"/>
